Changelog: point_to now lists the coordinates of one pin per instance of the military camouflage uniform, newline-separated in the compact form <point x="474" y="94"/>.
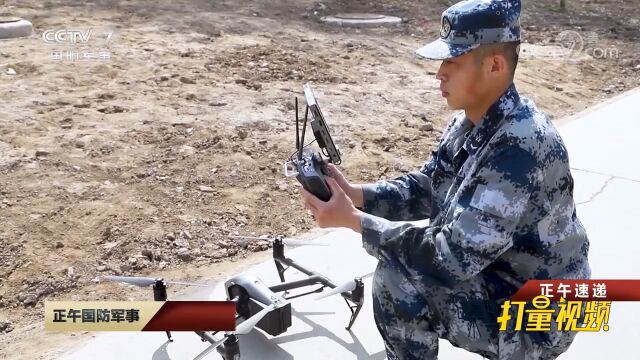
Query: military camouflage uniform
<point x="499" y="200"/>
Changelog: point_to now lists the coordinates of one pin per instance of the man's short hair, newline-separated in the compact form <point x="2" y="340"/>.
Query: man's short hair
<point x="510" y="50"/>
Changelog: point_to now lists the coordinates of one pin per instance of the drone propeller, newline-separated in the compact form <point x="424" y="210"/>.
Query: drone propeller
<point x="345" y="287"/>
<point x="286" y="241"/>
<point x="244" y="328"/>
<point x="210" y="348"/>
<point x="144" y="281"/>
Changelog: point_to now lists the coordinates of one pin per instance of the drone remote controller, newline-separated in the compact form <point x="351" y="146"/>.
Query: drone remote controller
<point x="310" y="168"/>
<point x="311" y="174"/>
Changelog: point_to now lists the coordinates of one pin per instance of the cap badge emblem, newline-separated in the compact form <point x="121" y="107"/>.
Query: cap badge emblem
<point x="446" y="28"/>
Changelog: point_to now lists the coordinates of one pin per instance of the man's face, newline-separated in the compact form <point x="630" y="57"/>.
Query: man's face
<point x="461" y="81"/>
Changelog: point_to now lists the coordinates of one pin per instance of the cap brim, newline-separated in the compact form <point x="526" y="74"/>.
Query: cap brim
<point x="441" y="50"/>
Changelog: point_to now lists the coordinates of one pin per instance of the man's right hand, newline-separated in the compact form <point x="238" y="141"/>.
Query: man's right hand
<point x="354" y="192"/>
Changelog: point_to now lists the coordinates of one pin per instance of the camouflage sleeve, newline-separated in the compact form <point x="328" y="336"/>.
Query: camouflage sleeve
<point x="478" y="232"/>
<point x="405" y="198"/>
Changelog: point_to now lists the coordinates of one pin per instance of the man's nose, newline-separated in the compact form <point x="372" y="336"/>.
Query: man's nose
<point x="440" y="75"/>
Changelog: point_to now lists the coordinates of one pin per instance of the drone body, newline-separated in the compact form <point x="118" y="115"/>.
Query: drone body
<point x="254" y="296"/>
<point x="259" y="305"/>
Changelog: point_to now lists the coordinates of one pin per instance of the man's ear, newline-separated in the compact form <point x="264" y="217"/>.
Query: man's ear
<point x="499" y="64"/>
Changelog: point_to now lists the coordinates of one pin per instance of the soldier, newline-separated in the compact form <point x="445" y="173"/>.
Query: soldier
<point x="498" y="194"/>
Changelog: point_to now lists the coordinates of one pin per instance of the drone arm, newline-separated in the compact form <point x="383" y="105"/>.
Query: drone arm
<point x="311" y="280"/>
<point x="307" y="293"/>
<point x="318" y="278"/>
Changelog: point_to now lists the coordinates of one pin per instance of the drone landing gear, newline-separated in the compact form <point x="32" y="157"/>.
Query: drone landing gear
<point x="281" y="270"/>
<point x="278" y="253"/>
<point x="355" y="301"/>
<point x="230" y="349"/>
<point x="354" y="298"/>
<point x="160" y="294"/>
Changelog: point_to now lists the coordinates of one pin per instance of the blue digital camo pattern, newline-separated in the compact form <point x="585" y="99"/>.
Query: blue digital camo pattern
<point x="468" y="24"/>
<point x="499" y="199"/>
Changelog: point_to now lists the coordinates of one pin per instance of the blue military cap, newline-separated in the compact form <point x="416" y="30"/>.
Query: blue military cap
<point x="468" y="24"/>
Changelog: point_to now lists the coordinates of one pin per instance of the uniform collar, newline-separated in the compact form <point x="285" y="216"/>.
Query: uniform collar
<point x="491" y="120"/>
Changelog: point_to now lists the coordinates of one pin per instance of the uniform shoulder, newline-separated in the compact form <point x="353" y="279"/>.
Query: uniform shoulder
<point x="529" y="129"/>
<point x="528" y="125"/>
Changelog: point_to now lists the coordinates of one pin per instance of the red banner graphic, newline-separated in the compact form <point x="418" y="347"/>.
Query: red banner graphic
<point x="580" y="290"/>
<point x="194" y="316"/>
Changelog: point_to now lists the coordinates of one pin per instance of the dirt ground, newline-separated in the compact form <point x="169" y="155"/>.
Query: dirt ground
<point x="143" y="163"/>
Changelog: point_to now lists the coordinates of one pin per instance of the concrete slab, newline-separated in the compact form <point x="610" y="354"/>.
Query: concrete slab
<point x="601" y="145"/>
<point x="604" y="139"/>
<point x="586" y="185"/>
<point x="610" y="219"/>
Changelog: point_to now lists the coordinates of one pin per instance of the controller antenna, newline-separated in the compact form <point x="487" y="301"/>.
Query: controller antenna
<point x="297" y="127"/>
<point x="304" y="128"/>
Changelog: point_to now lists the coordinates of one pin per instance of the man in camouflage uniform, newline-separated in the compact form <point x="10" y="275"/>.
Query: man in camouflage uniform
<point x="497" y="192"/>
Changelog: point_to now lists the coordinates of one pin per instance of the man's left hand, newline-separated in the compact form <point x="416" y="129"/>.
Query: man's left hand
<point x="339" y="211"/>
